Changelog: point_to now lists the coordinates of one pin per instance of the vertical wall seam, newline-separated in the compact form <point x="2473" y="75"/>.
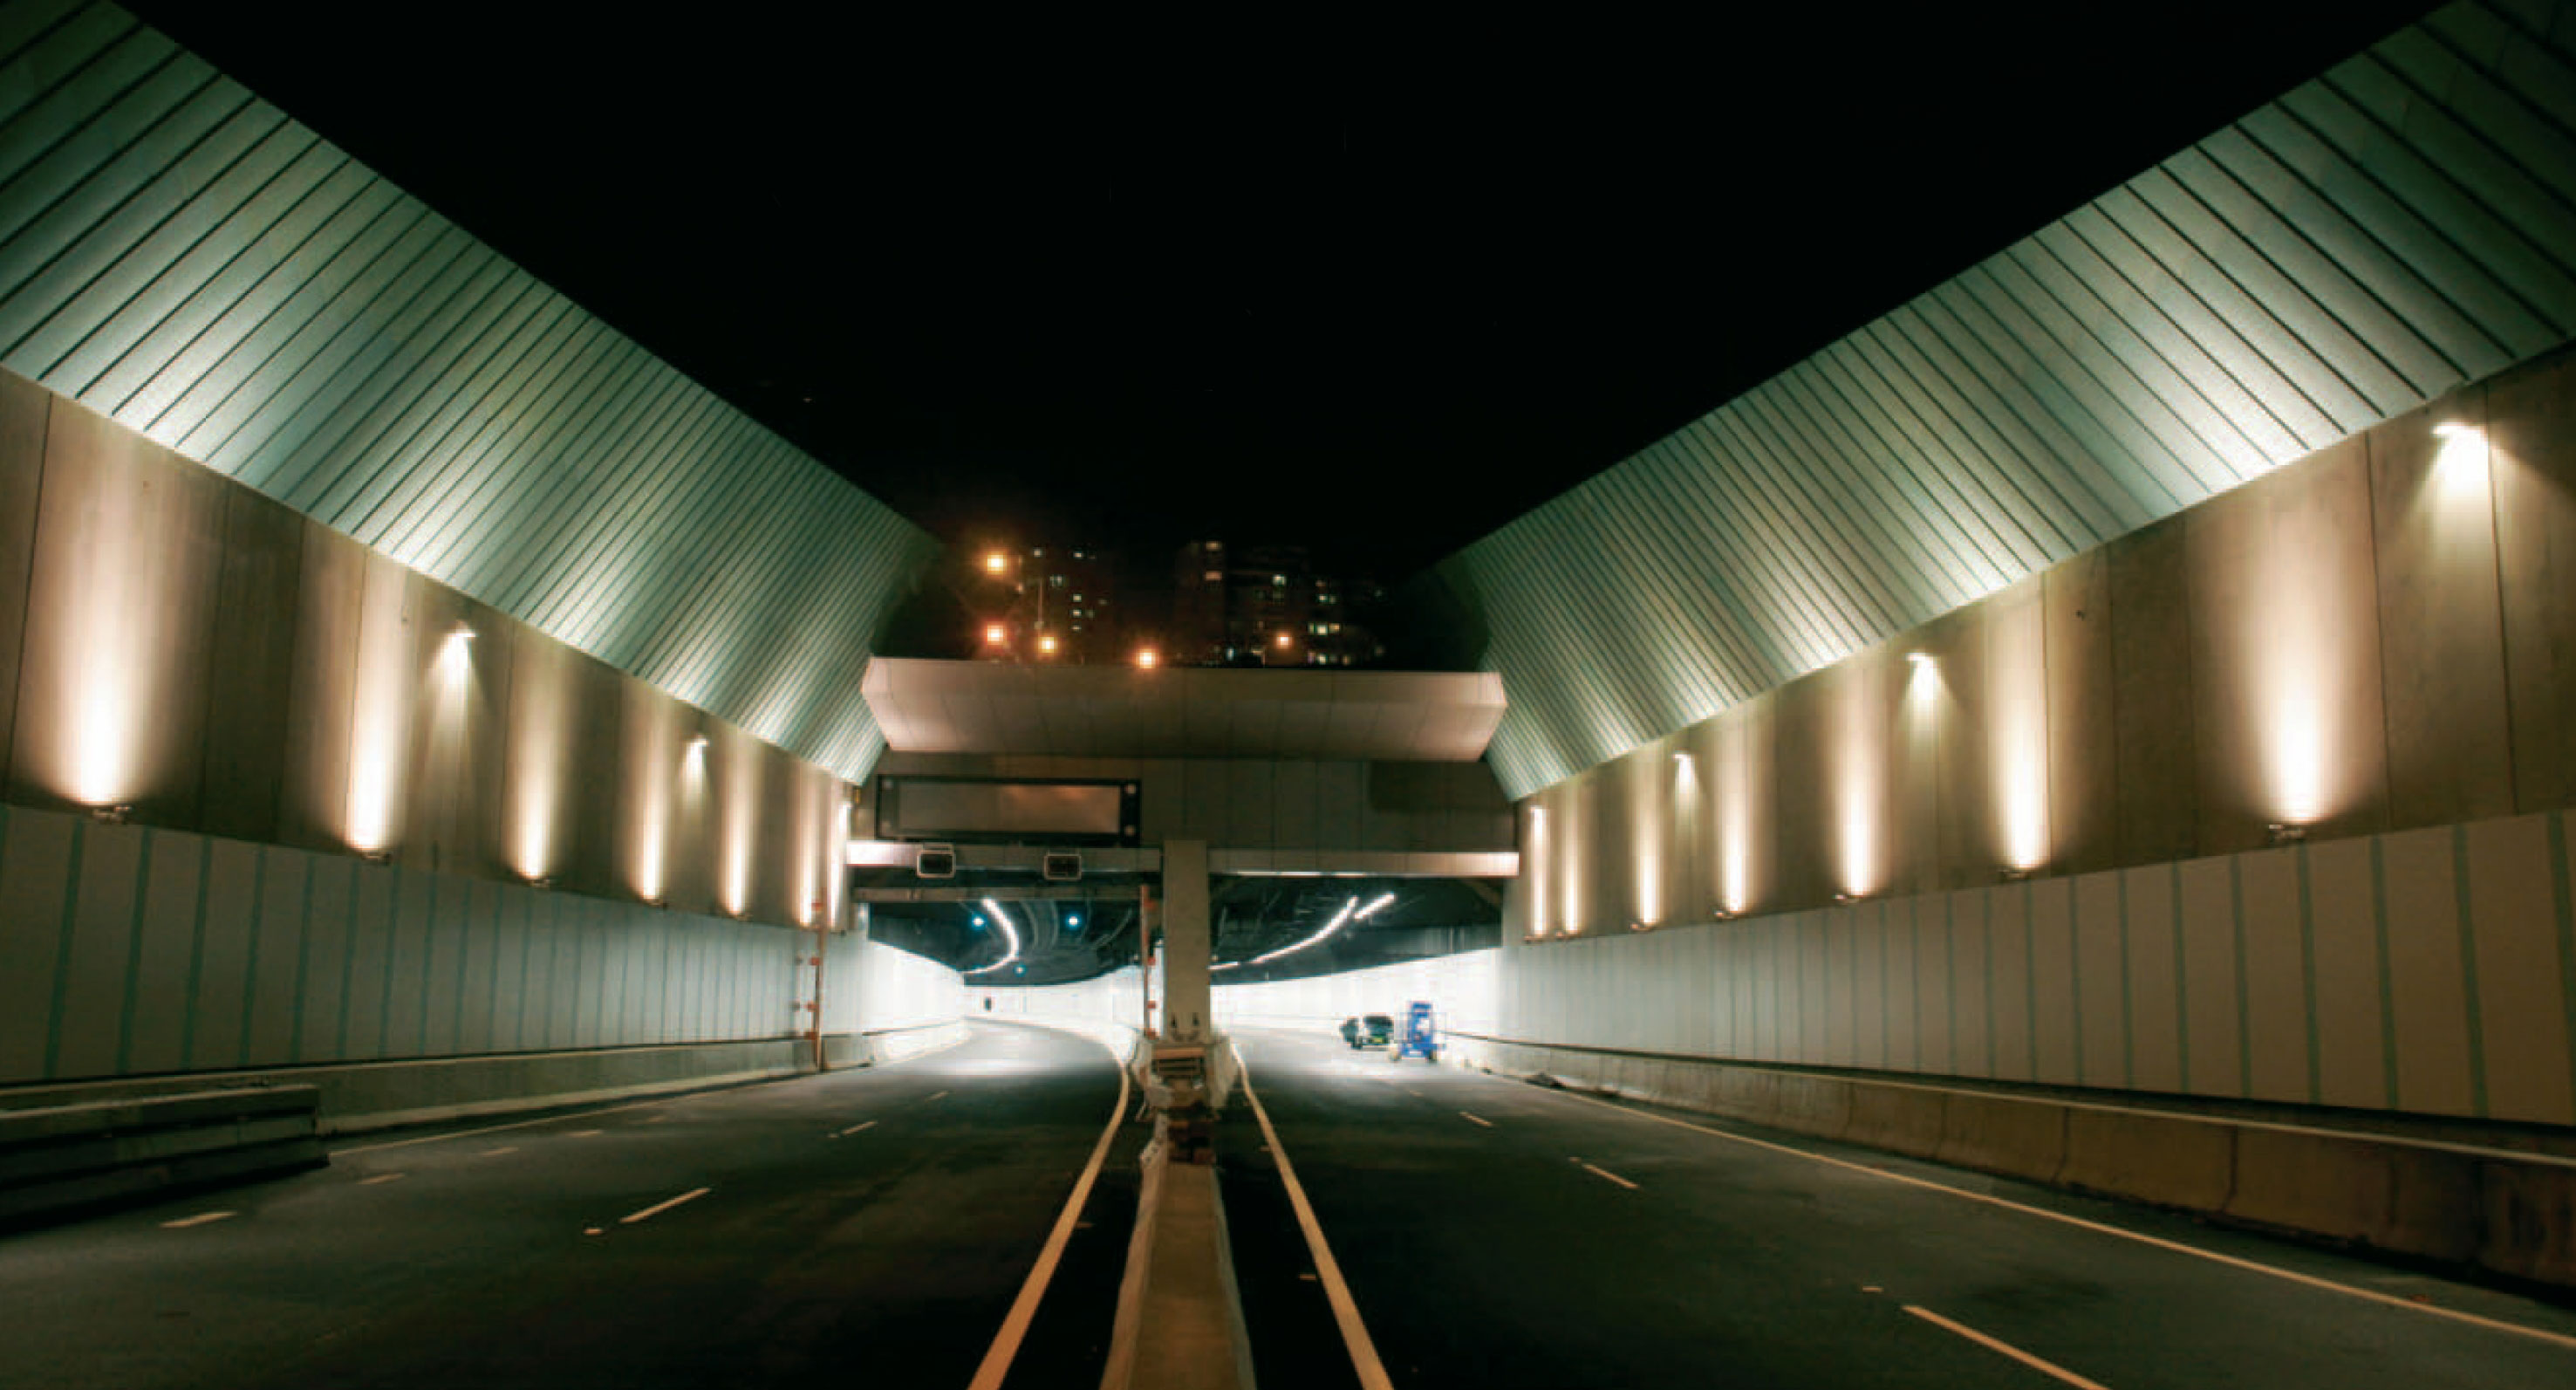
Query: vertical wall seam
<point x="349" y="959"/>
<point x="250" y="957"/>
<point x="2471" y="1008"/>
<point x="2182" y="980"/>
<point x="303" y="964"/>
<point x="69" y="936"/>
<point x="2030" y="977"/>
<point x="2075" y="974"/>
<point x="2308" y="977"/>
<point x="2244" y="991"/>
<point x="135" y="917"/>
<point x="2128" y="1012"/>
<point x="1988" y="898"/>
<point x="2390" y="1094"/>
<point x="2562" y="898"/>
<point x="196" y="955"/>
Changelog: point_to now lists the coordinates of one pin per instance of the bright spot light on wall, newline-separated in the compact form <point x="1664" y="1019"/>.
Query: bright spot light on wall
<point x="1860" y="784"/>
<point x="2460" y="463"/>
<point x="380" y="727"/>
<point x="2017" y="733"/>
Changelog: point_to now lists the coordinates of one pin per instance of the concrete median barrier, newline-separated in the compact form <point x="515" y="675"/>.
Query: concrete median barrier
<point x="2502" y="1210"/>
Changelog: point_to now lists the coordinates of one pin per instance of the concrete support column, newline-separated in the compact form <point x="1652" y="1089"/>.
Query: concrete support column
<point x="1186" y="942"/>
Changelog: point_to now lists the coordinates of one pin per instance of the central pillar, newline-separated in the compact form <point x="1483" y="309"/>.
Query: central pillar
<point x="1186" y="942"/>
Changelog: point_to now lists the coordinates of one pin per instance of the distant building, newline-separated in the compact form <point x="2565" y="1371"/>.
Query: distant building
<point x="1267" y="606"/>
<point x="1046" y="603"/>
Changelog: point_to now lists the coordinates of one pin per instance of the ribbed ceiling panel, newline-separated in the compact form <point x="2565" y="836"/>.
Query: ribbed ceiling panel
<point x="2398" y="227"/>
<point x="177" y="254"/>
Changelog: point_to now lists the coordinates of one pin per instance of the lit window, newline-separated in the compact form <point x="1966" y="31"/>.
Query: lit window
<point x="1214" y="576"/>
<point x="1279" y="580"/>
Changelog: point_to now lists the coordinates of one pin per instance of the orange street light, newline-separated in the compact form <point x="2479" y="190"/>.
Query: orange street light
<point x="1046" y="644"/>
<point x="995" y="634"/>
<point x="1281" y="641"/>
<point x="996" y="562"/>
<point x="1148" y="658"/>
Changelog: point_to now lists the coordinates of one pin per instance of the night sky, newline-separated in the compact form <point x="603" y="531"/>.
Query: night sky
<point x="1297" y="274"/>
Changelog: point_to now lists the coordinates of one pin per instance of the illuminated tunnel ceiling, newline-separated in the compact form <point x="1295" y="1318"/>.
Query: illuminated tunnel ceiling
<point x="178" y="255"/>
<point x="2398" y="227"/>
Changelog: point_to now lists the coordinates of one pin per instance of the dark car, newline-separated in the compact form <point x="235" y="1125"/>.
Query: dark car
<point x="1373" y="1030"/>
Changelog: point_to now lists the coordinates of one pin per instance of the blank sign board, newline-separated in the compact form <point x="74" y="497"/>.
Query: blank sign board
<point x="930" y="808"/>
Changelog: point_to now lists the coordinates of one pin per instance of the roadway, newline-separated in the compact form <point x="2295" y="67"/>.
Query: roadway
<point x="868" y="1226"/>
<point x="1493" y="1234"/>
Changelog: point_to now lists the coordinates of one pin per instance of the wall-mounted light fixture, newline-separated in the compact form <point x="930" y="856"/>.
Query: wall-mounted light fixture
<point x="117" y="814"/>
<point x="2012" y="873"/>
<point x="1919" y="660"/>
<point x="377" y="856"/>
<point x="541" y="881"/>
<point x="1846" y="899"/>
<point x="2286" y="833"/>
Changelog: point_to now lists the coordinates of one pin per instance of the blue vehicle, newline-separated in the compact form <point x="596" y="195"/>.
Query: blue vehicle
<point x="1420" y="1038"/>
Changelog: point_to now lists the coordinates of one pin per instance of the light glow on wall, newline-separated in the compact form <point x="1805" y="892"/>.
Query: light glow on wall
<point x="1735" y="825"/>
<point x="110" y="663"/>
<point x="380" y="723"/>
<point x="737" y="807"/>
<point x="538" y="716"/>
<point x="1649" y="832"/>
<point x="2017" y="733"/>
<point x="2460" y="464"/>
<point x="2294" y="648"/>
<point x="1535" y="865"/>
<point x="1860" y="783"/>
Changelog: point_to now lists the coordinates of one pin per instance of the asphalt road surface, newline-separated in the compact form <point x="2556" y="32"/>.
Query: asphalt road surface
<point x="867" y="1228"/>
<point x="1495" y="1234"/>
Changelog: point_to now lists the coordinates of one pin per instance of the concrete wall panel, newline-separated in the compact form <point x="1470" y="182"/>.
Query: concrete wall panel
<point x="2450" y="753"/>
<point x="2056" y="1037"/>
<point x="2148" y="905"/>
<point x="167" y="941"/>
<point x="370" y="974"/>
<point x="2213" y="978"/>
<point x="322" y="689"/>
<point x="2514" y="917"/>
<point x="24" y="407"/>
<point x="2531" y="428"/>
<point x="106" y="874"/>
<point x="330" y="886"/>
<point x="2344" y="923"/>
<point x="2008" y="937"/>
<point x="35" y="893"/>
<point x="227" y="931"/>
<point x="2428" y="982"/>
<point x="2275" y="953"/>
<point x="2081" y="686"/>
<point x="257" y="580"/>
<point x="2154" y="693"/>
<point x="284" y="976"/>
<point x="2101" y="977"/>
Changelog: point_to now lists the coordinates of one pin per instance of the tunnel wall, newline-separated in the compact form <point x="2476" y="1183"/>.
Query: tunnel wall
<point x="2373" y="649"/>
<point x="368" y="817"/>
<point x="176" y="644"/>
<point x="135" y="950"/>
<point x="1463" y="990"/>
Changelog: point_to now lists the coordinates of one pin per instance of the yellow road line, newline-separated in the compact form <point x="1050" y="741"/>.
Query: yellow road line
<point x="1477" y="1119"/>
<point x="199" y="1219"/>
<point x="380" y="1178"/>
<point x="1606" y="1173"/>
<point x="496" y="1153"/>
<point x="658" y="1208"/>
<point x="2007" y="1348"/>
<point x="1024" y="1309"/>
<point x="854" y="1128"/>
<point x="1346" y="1311"/>
<point x="2159" y="1242"/>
